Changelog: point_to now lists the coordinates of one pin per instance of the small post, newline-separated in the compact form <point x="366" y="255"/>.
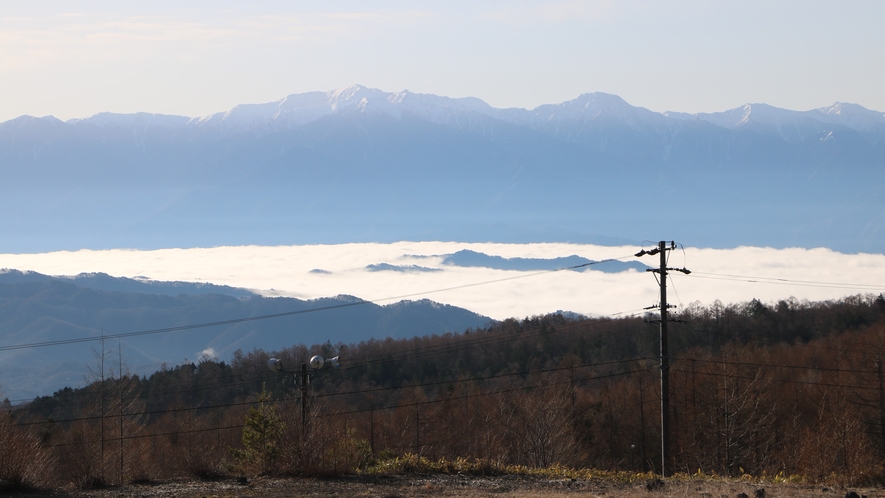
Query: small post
<point x="372" y="429"/>
<point x="305" y="388"/>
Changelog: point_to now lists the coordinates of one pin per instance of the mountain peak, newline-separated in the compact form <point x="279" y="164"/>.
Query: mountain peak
<point x="355" y="92"/>
<point x="299" y="109"/>
<point x="361" y="98"/>
<point x="345" y="93"/>
<point x="845" y="108"/>
<point x="608" y="98"/>
<point x="853" y="116"/>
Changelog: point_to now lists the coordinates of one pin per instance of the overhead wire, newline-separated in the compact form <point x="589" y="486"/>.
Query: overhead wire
<point x="361" y="361"/>
<point x="475" y="395"/>
<point x="775" y="379"/>
<point x="785" y="281"/>
<point x="775" y="366"/>
<point x="498" y="391"/>
<point x="447" y="349"/>
<point x="344" y="393"/>
<point x="673" y="285"/>
<point x="393" y="407"/>
<point x="179" y="328"/>
<point x="358" y="362"/>
<point x="445" y="400"/>
<point x="413" y="353"/>
<point x="488" y="377"/>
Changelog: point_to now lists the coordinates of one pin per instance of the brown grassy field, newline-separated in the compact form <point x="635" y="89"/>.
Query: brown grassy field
<point x="433" y="485"/>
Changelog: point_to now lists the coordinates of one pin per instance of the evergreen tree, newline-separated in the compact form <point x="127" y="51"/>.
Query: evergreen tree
<point x="262" y="432"/>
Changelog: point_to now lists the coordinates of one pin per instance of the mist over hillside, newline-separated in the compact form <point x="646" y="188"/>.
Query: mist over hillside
<point x="39" y="309"/>
<point x="363" y="165"/>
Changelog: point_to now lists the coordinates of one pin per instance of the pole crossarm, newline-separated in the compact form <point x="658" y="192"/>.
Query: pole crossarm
<point x="659" y="270"/>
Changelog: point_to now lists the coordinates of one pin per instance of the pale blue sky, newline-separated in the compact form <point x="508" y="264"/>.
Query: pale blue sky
<point x="74" y="59"/>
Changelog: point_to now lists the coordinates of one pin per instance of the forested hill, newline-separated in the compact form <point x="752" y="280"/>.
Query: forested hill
<point x="36" y="308"/>
<point x="525" y="346"/>
<point x="755" y="388"/>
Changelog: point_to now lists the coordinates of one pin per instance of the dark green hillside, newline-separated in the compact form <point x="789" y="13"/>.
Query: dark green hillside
<point x="788" y="387"/>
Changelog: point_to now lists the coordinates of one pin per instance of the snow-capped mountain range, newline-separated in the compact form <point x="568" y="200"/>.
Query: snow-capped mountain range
<point x="562" y="120"/>
<point x="362" y="164"/>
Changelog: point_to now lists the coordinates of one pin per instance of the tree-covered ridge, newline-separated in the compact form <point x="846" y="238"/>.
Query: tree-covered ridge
<point x="756" y="387"/>
<point x="49" y="309"/>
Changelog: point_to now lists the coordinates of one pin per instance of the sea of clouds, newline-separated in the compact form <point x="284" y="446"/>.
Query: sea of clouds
<point x="313" y="271"/>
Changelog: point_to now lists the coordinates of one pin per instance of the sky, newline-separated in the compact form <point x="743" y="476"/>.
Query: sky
<point x="75" y="59"/>
<point x="729" y="275"/>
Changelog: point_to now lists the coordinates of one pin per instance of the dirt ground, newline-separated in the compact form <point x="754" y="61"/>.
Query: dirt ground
<point x="418" y="485"/>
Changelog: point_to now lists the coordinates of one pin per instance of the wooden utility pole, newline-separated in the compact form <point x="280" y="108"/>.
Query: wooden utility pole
<point x="120" y="385"/>
<point x="665" y="365"/>
<point x="317" y="362"/>
<point x="661" y="250"/>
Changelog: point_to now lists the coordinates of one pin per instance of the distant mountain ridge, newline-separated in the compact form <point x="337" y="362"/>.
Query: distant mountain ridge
<point x="555" y="119"/>
<point x="363" y="165"/>
<point x="468" y="258"/>
<point x="36" y="308"/>
<point x="105" y="282"/>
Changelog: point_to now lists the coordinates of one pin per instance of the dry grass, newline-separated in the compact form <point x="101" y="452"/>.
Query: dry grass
<point x="445" y="485"/>
<point x="22" y="464"/>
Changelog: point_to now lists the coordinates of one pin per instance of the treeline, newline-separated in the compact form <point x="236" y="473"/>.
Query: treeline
<point x="792" y="387"/>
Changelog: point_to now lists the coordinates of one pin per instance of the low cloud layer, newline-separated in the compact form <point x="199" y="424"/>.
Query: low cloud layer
<point x="730" y="275"/>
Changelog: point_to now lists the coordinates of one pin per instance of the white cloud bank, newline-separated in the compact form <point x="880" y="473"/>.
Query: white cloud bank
<point x="730" y="275"/>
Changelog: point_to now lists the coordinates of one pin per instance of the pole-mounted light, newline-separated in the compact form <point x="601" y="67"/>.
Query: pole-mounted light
<point x="316" y="363"/>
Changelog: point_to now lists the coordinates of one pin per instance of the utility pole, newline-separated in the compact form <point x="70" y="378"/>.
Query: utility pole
<point x="120" y="385"/>
<point x="665" y="365"/>
<point x="316" y="363"/>
<point x="305" y="392"/>
<point x="665" y="353"/>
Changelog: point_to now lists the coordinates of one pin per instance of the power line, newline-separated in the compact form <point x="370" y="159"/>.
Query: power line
<point x="245" y="403"/>
<point x="663" y="250"/>
<point x="476" y="395"/>
<point x="785" y="281"/>
<point x="489" y="377"/>
<point x="403" y="405"/>
<point x="466" y="396"/>
<point x="61" y="342"/>
<point x="491" y="337"/>
<point x="785" y="381"/>
<point x="769" y="365"/>
<point x="179" y="328"/>
<point x="363" y="361"/>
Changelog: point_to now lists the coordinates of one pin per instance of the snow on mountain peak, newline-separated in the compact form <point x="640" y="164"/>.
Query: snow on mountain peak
<point x="791" y="125"/>
<point x="347" y="93"/>
<point x="136" y="120"/>
<point x="847" y="109"/>
<point x="592" y="107"/>
<point x="559" y="119"/>
<point x="592" y="103"/>
<point x="361" y="99"/>
<point x="853" y="116"/>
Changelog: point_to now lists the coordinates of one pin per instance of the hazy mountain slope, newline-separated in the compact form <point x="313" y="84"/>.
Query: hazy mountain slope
<point x="360" y="164"/>
<point x="468" y="258"/>
<point x="105" y="282"/>
<point x="54" y="309"/>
